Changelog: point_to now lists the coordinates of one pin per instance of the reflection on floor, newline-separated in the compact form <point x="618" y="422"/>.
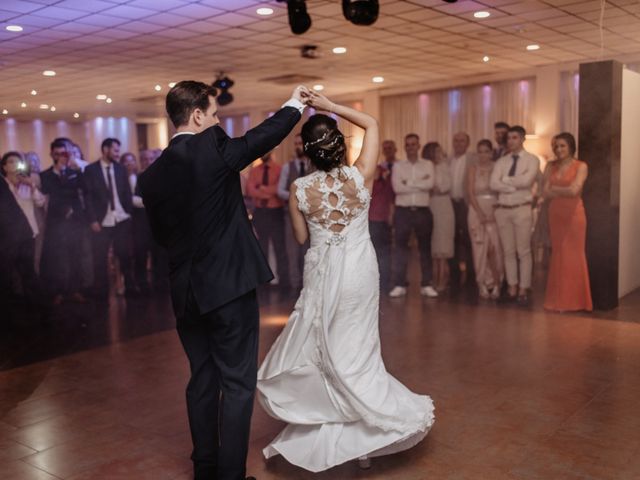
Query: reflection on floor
<point x="519" y="394"/>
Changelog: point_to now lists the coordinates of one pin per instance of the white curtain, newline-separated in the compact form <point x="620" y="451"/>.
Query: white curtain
<point x="438" y="115"/>
<point x="569" y="101"/>
<point x="37" y="135"/>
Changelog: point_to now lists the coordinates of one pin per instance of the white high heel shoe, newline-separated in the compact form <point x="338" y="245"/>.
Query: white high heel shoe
<point x="364" y="462"/>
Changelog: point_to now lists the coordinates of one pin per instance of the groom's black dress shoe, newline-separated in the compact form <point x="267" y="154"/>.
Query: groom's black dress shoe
<point x="250" y="478"/>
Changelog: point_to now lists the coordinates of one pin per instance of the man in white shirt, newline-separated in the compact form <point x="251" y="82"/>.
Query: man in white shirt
<point x="513" y="177"/>
<point x="298" y="167"/>
<point x="412" y="179"/>
<point x="462" y="260"/>
<point x="109" y="209"/>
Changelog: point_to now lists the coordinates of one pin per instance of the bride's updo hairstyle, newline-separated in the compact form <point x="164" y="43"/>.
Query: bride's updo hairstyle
<point x="323" y="142"/>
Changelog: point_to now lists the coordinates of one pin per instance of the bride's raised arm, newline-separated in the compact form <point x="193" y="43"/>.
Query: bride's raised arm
<point x="368" y="159"/>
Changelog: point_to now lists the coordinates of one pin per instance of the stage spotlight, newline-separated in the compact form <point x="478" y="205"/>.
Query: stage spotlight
<point x="299" y="19"/>
<point x="361" y="12"/>
<point x="223" y="83"/>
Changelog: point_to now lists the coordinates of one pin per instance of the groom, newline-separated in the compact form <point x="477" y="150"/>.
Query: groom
<point x="194" y="202"/>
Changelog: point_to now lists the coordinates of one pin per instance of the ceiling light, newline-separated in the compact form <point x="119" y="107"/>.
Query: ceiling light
<point x="34" y="92"/>
<point x="23" y="105"/>
<point x="53" y="109"/>
<point x="44" y="106"/>
<point x="361" y="12"/>
<point x="158" y="88"/>
<point x="14" y="28"/>
<point x="339" y="50"/>
<point x="299" y="19"/>
<point x="172" y="84"/>
<point x="318" y="88"/>
<point x="264" y="11"/>
<point x="377" y="79"/>
<point x="108" y="100"/>
<point x="482" y="14"/>
<point x="76" y="115"/>
<point x="49" y="73"/>
<point x="5" y="112"/>
<point x="533" y="47"/>
<point x="101" y="96"/>
<point x="485" y="58"/>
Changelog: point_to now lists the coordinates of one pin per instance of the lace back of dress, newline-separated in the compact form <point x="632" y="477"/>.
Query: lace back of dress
<point x="333" y="199"/>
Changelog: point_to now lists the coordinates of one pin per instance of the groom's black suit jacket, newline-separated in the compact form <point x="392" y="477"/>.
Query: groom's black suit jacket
<point x="193" y="198"/>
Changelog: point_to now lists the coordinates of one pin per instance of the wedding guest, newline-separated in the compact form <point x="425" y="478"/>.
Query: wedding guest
<point x="461" y="265"/>
<point x="297" y="167"/>
<point x="380" y="221"/>
<point x="442" y="247"/>
<point x="412" y="180"/>
<point x="389" y="152"/>
<point x="19" y="198"/>
<point x="512" y="178"/>
<point x="485" y="241"/>
<point x="500" y="134"/>
<point x="76" y="157"/>
<point x="568" y="287"/>
<point x="269" y="213"/>
<point x="109" y="209"/>
<point x="35" y="165"/>
<point x="65" y="221"/>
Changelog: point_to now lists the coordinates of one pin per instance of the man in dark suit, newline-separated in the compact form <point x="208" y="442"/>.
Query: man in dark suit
<point x="60" y="269"/>
<point x="193" y="197"/>
<point x="109" y="209"/>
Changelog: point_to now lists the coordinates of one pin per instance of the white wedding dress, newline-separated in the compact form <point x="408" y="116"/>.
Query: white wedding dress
<point x="324" y="375"/>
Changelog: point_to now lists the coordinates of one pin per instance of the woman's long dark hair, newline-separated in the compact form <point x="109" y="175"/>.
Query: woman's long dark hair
<point x="323" y="142"/>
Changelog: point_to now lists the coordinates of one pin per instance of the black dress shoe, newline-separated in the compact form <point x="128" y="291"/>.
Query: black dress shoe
<point x="524" y="300"/>
<point x="250" y="478"/>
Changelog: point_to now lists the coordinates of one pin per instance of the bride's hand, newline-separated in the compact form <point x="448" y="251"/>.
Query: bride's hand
<point x="301" y="93"/>
<point x="320" y="102"/>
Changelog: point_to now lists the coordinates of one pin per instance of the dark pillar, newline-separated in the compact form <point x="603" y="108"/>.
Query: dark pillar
<point x="599" y="146"/>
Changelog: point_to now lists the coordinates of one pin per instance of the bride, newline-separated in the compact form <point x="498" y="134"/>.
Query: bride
<point x="324" y="375"/>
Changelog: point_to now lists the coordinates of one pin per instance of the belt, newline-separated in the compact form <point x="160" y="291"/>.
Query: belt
<point x="414" y="209"/>
<point x="510" y="207"/>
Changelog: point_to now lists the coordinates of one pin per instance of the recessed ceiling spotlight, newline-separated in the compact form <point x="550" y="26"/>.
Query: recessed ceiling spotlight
<point x="482" y="14"/>
<point x="5" y="112"/>
<point x="485" y="59"/>
<point x="158" y="88"/>
<point x="172" y="84"/>
<point x="53" y="109"/>
<point x="14" y="28"/>
<point x="23" y="105"/>
<point x="108" y="100"/>
<point x="264" y="11"/>
<point x="44" y="106"/>
<point x="34" y="92"/>
<point x="101" y="96"/>
<point x="49" y="73"/>
<point x="339" y="50"/>
<point x="76" y="115"/>
<point x="377" y="79"/>
<point x="318" y="88"/>
<point x="533" y="47"/>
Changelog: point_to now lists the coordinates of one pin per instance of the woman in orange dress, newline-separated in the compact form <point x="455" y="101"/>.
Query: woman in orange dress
<point x="568" y="281"/>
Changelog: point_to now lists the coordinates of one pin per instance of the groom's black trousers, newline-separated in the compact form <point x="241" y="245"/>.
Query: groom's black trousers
<point x="222" y="347"/>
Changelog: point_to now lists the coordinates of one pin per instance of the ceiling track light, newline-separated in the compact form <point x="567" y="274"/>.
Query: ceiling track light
<point x="223" y="83"/>
<point x="299" y="19"/>
<point x="361" y="12"/>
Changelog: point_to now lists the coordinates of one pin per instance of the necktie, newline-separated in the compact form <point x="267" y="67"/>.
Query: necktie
<point x="302" y="172"/>
<point x="265" y="181"/>
<point x="512" y="170"/>
<point x="112" y="203"/>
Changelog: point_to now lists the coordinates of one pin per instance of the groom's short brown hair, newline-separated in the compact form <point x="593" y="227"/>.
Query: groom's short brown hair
<point x="185" y="97"/>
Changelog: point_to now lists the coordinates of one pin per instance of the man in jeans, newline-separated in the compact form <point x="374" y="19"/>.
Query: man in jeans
<point x="513" y="177"/>
<point x="380" y="221"/>
<point x="412" y="180"/>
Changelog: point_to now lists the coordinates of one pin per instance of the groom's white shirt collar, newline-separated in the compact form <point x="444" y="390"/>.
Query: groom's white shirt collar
<point x="182" y="133"/>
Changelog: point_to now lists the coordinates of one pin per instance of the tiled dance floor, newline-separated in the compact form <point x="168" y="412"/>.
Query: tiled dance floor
<point x="518" y="394"/>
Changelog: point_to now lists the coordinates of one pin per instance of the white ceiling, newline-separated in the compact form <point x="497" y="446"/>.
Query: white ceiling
<point x="123" y="48"/>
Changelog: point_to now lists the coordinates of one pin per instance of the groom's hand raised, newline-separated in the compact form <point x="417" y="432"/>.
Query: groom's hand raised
<point x="301" y="93"/>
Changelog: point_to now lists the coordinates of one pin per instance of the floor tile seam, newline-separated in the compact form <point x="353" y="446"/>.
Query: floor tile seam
<point x="41" y="469"/>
